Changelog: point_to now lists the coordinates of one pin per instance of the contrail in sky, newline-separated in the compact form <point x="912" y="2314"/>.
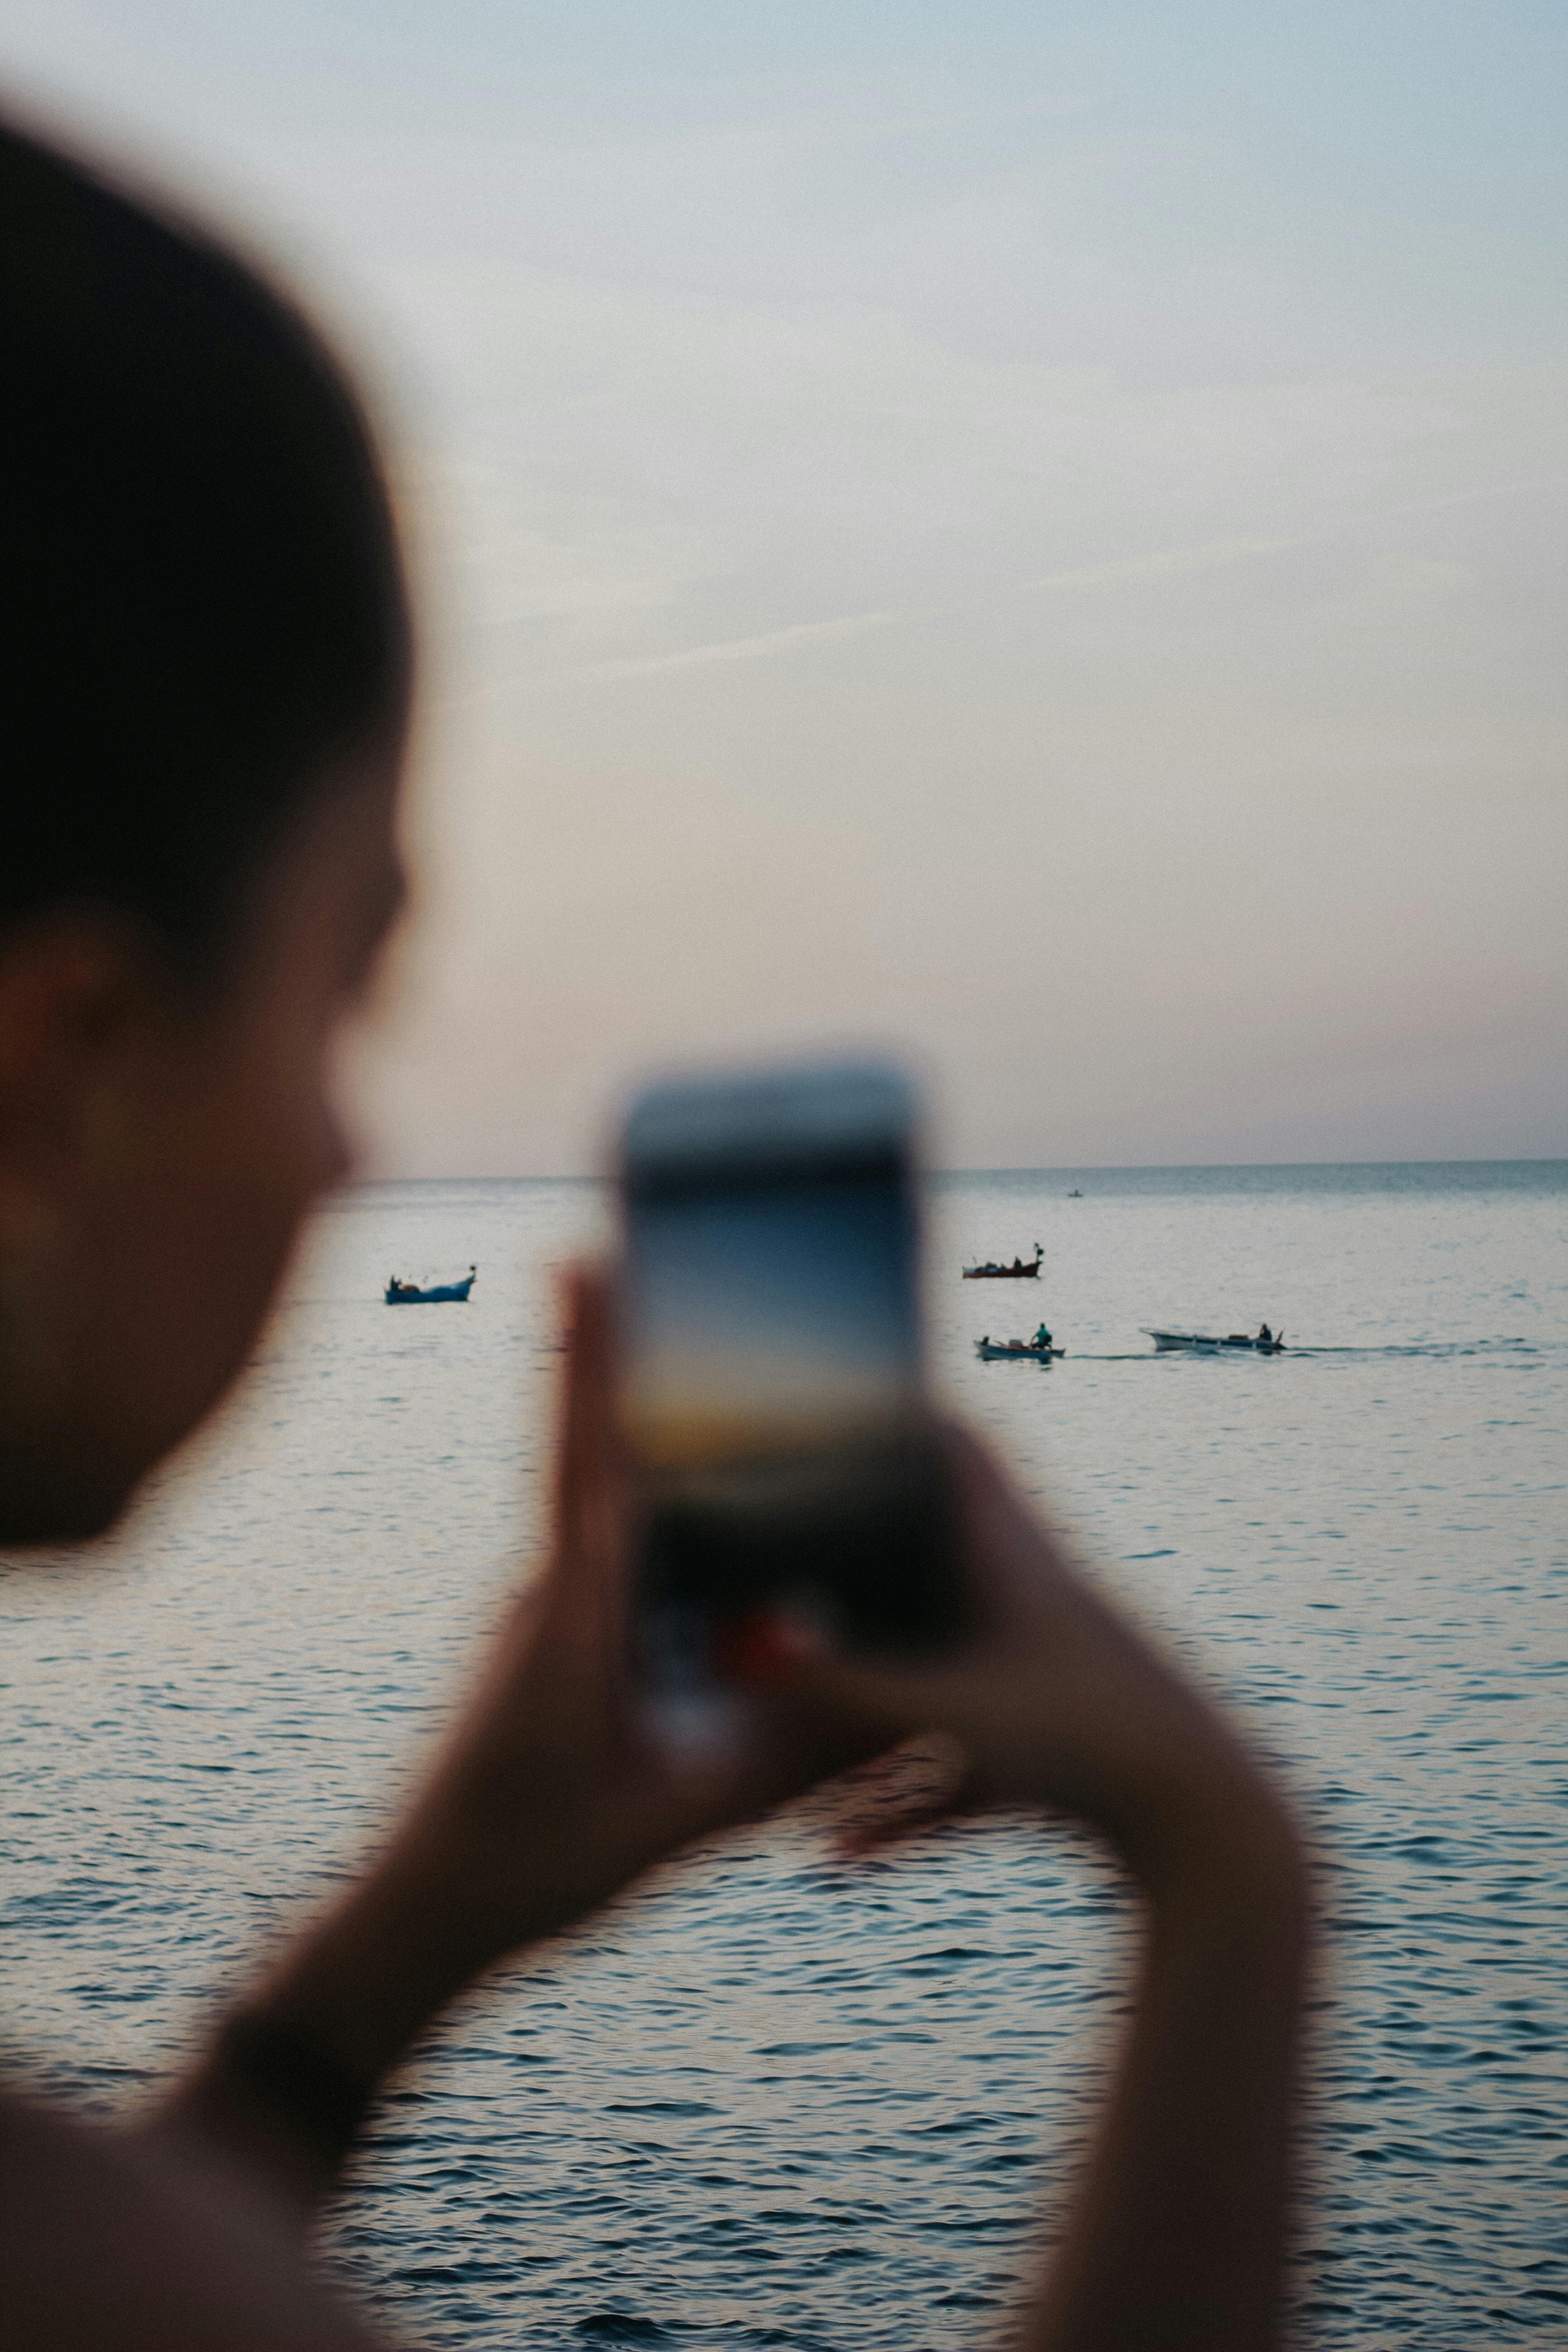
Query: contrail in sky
<point x="771" y="641"/>
<point x="1164" y="563"/>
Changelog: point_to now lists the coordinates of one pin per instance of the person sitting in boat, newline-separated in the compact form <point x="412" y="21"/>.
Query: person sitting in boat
<point x="1265" y="1336"/>
<point x="1042" y="1337"/>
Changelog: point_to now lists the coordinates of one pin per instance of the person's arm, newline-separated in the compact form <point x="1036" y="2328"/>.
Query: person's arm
<point x="1176" y="2238"/>
<point x="150" y="2242"/>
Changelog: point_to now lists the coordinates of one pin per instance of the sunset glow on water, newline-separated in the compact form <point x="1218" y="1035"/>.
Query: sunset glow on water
<point x="772" y="2101"/>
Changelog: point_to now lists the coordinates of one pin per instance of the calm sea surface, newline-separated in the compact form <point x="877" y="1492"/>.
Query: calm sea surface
<point x="773" y="2102"/>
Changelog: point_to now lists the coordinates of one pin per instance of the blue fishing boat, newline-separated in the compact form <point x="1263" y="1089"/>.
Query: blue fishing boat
<point x="408" y="1293"/>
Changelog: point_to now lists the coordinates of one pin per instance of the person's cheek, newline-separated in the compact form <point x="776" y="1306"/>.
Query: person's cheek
<point x="337" y="1145"/>
<point x="310" y="1150"/>
<point x="309" y="1144"/>
<point x="337" y="1152"/>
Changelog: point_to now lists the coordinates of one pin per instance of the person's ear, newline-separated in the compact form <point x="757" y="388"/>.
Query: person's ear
<point x="74" y="997"/>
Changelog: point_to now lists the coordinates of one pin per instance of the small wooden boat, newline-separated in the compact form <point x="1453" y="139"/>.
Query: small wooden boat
<point x="408" y="1293"/>
<point x="1033" y="1351"/>
<point x="1021" y="1269"/>
<point x="1265" y="1343"/>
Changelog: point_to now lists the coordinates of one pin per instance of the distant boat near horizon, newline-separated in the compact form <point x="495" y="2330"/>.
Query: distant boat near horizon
<point x="440" y="1294"/>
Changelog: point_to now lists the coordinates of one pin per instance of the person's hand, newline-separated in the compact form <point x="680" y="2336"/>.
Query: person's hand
<point x="553" y="1791"/>
<point x="549" y="1795"/>
<point x="1175" y="2236"/>
<point x="1054" y="1701"/>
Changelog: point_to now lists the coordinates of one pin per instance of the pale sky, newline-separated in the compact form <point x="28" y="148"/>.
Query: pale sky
<point x="1030" y="535"/>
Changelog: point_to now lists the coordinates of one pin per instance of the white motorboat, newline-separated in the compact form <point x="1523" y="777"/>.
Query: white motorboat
<point x="1264" y="1343"/>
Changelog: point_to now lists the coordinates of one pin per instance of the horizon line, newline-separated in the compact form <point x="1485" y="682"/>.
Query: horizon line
<point x="1043" y="1167"/>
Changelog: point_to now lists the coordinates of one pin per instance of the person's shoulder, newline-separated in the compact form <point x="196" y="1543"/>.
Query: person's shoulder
<point x="149" y="2243"/>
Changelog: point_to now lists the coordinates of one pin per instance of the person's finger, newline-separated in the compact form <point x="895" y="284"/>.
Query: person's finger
<point x="588" y="1448"/>
<point x="858" y="1840"/>
<point x="591" y="1482"/>
<point x="901" y="1795"/>
<point x="1004" y="1544"/>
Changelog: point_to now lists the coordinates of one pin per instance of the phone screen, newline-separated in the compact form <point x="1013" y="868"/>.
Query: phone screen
<point x="769" y="1318"/>
<point x="771" y="1361"/>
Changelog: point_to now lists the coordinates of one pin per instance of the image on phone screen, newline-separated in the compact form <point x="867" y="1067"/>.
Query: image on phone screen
<point x="771" y="1361"/>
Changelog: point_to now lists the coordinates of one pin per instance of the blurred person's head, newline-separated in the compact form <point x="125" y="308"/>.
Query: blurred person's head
<point x="203" y="687"/>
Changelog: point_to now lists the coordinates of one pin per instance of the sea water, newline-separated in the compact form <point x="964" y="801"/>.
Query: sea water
<point x="772" y="2101"/>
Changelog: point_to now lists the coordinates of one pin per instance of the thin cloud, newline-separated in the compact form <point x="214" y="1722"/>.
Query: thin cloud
<point x="732" y="649"/>
<point x="1167" y="563"/>
<point x="1212" y="554"/>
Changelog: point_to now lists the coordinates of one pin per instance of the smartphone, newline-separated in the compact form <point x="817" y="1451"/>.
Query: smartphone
<point x="772" y="1375"/>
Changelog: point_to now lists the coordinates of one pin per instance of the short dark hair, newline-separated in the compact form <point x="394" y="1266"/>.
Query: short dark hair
<point x="202" y="598"/>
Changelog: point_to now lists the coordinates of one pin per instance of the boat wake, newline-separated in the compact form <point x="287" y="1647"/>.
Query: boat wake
<point x="1387" y="1348"/>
